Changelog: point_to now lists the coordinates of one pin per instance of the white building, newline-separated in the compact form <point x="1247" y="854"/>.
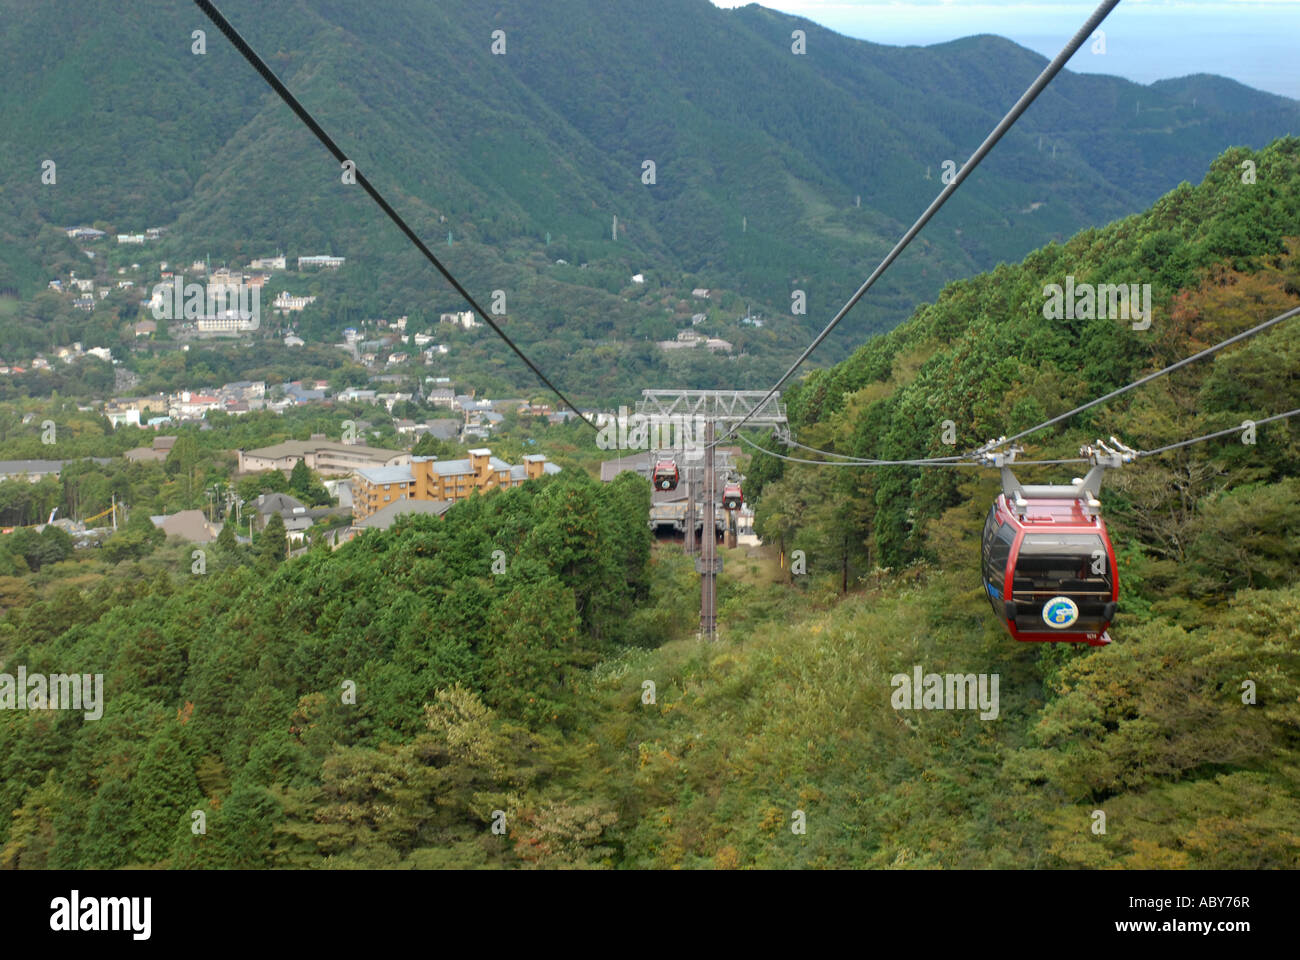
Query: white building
<point x="287" y="303"/>
<point x="329" y="263"/>
<point x="129" y="416"/>
<point x="463" y="318"/>
<point x="227" y="321"/>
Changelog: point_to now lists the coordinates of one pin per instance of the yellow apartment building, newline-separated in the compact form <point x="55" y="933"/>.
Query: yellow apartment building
<point x="428" y="478"/>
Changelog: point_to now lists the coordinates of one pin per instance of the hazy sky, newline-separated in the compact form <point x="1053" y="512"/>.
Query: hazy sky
<point x="1256" y="42"/>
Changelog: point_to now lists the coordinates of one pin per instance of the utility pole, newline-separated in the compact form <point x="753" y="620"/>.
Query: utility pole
<point x="708" y="546"/>
<point x="690" y="509"/>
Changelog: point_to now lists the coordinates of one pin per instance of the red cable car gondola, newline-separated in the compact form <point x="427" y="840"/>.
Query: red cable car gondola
<point x="665" y="475"/>
<point x="1048" y="563"/>
<point x="732" y="498"/>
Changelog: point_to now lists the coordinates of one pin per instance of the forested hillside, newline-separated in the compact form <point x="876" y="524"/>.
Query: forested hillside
<point x="517" y="684"/>
<point x="513" y="162"/>
<point x="256" y="691"/>
<point x="1220" y="257"/>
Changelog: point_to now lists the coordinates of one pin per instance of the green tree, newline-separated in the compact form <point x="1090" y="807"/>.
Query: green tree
<point x="532" y="646"/>
<point x="430" y="446"/>
<point x="163" y="791"/>
<point x="110" y="832"/>
<point x="300" y="481"/>
<point x="256" y="484"/>
<point x="137" y="539"/>
<point x="182" y="462"/>
<point x="236" y="836"/>
<point x="227" y="540"/>
<point x="272" y="544"/>
<point x="32" y="838"/>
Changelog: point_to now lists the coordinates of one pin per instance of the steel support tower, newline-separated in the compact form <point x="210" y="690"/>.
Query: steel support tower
<point x="700" y="413"/>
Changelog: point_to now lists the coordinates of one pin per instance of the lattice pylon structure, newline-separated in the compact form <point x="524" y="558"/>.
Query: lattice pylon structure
<point x="694" y="416"/>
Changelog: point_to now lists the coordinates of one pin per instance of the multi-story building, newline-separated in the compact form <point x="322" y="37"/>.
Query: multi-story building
<point x="325" y="457"/>
<point x="286" y="303"/>
<point x="330" y="263"/>
<point x="224" y="281"/>
<point x="428" y="478"/>
<point x="228" y="321"/>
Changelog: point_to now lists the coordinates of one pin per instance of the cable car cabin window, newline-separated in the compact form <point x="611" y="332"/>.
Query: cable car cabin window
<point x="990" y="528"/>
<point x="1073" y="565"/>
<point x="996" y="549"/>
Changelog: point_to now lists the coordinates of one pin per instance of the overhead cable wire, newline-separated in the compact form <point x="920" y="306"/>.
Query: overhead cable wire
<point x="1217" y="433"/>
<point x="1208" y="351"/>
<point x="948" y="462"/>
<point x="1227" y="431"/>
<point x="1021" y="105"/>
<point x="258" y="64"/>
<point x="832" y="453"/>
<point x="1159" y="373"/>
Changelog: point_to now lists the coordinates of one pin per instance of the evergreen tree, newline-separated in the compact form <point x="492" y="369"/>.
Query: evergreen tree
<point x="272" y="544"/>
<point x="227" y="542"/>
<point x="164" y="790"/>
<point x="183" y="460"/>
<point x="110" y="833"/>
<point x="300" y="481"/>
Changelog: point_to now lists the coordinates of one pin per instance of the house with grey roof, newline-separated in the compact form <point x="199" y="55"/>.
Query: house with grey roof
<point x="281" y="503"/>
<point x="442" y="428"/>
<point x="36" y="470"/>
<point x="383" y="519"/>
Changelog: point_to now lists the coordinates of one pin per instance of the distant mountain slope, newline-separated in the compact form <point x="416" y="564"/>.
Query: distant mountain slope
<point x="760" y="154"/>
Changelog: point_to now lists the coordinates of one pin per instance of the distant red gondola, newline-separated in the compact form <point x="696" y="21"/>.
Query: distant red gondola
<point x="665" y="475"/>
<point x="732" y="498"/>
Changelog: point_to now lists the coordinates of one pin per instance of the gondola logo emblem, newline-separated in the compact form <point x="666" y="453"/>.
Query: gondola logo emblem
<point x="1060" y="612"/>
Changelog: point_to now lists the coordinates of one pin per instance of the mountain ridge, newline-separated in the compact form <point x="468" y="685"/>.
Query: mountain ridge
<point x="756" y="182"/>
